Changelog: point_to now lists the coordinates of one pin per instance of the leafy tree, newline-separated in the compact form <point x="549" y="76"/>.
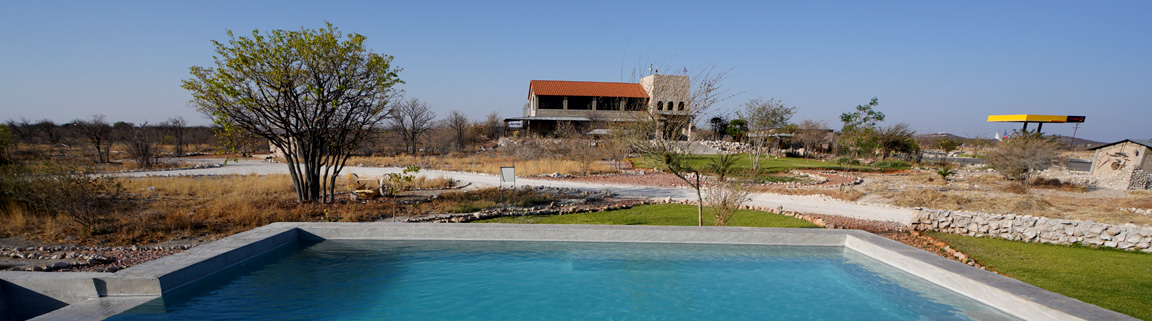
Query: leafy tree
<point x="719" y="127"/>
<point x="762" y="116"/>
<point x="859" y="127"/>
<point x="313" y="93"/>
<point x="737" y="128"/>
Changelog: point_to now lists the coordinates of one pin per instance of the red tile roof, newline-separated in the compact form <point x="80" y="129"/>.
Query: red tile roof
<point x="586" y="88"/>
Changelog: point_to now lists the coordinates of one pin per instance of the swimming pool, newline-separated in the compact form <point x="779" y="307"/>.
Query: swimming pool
<point x="494" y="280"/>
<point x="371" y="259"/>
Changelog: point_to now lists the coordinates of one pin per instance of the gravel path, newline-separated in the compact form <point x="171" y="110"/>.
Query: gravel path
<point x="814" y="204"/>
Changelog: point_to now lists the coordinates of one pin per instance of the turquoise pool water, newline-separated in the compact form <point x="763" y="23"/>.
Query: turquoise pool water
<point x="488" y="280"/>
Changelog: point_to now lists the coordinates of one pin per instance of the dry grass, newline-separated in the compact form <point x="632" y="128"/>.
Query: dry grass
<point x="927" y="197"/>
<point x="488" y="164"/>
<point x="425" y="182"/>
<point x="989" y="193"/>
<point x="850" y="195"/>
<point x="162" y="208"/>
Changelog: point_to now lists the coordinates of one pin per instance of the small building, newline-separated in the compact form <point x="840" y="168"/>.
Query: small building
<point x="595" y="107"/>
<point x="1124" y="164"/>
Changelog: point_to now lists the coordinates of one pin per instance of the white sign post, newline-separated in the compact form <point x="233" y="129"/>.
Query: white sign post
<point x="508" y="175"/>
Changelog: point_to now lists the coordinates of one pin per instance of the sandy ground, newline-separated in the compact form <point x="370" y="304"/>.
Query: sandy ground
<point x="815" y="204"/>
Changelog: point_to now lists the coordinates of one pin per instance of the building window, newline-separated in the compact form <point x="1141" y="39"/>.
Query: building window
<point x="659" y="105"/>
<point x="579" y="103"/>
<point x="681" y="105"/>
<point x="550" y="102"/>
<point x="607" y="103"/>
<point x="635" y="104"/>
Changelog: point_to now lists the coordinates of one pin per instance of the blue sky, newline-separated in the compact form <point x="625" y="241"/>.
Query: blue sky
<point x="939" y="66"/>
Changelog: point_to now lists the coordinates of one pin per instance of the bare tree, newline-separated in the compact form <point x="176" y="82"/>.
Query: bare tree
<point x="493" y="127"/>
<point x="50" y="131"/>
<point x="411" y="118"/>
<point x="98" y="133"/>
<point x="314" y="94"/>
<point x="140" y="142"/>
<point x="761" y="117"/>
<point x="458" y="123"/>
<point x="657" y="135"/>
<point x="811" y="134"/>
<point x="176" y="128"/>
<point x="22" y="131"/>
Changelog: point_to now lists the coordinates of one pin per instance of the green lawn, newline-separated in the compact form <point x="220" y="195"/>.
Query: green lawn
<point x="659" y="214"/>
<point x="1113" y="279"/>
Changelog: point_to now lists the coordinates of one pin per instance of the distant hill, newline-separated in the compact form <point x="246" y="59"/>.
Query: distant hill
<point x="1077" y="144"/>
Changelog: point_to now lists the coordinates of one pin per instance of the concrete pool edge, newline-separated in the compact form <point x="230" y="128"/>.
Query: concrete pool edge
<point x="99" y="295"/>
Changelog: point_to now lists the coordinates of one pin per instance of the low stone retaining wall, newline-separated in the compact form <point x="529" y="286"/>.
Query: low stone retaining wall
<point x="1035" y="229"/>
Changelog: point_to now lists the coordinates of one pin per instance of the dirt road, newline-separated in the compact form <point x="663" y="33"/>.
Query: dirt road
<point x="816" y="204"/>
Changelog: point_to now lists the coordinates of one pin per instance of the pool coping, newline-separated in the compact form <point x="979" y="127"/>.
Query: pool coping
<point x="95" y="296"/>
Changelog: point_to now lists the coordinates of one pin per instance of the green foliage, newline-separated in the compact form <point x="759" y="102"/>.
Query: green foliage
<point x="865" y="117"/>
<point x="858" y="133"/>
<point x="312" y="93"/>
<point x="944" y="171"/>
<point x="722" y="166"/>
<point x="846" y="161"/>
<point x="948" y="144"/>
<point x="737" y="128"/>
<point x="1113" y="279"/>
<point x="397" y="180"/>
<point x="892" y="165"/>
<point x="659" y="214"/>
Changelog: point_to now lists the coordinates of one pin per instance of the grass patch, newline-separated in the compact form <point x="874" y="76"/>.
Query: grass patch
<point x="658" y="214"/>
<point x="1113" y="279"/>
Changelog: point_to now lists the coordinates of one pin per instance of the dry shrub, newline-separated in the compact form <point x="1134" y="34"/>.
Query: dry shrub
<point x="471" y="201"/>
<point x="488" y="164"/>
<point x="1056" y="184"/>
<point x="1029" y="204"/>
<point x="1014" y="188"/>
<point x="423" y="182"/>
<point x="986" y="179"/>
<point x="1137" y="199"/>
<point x="850" y="195"/>
<point x="926" y="197"/>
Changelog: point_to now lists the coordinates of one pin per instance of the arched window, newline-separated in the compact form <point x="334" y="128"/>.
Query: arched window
<point x="681" y="105"/>
<point x="659" y="105"/>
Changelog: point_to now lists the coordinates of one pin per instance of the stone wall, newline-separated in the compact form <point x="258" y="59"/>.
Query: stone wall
<point x="1140" y="180"/>
<point x="1035" y="229"/>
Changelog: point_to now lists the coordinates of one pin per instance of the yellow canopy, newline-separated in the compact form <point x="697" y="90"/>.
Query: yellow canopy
<point x="1036" y="118"/>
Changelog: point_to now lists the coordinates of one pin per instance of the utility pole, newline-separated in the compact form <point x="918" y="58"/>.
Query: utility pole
<point x="1073" y="140"/>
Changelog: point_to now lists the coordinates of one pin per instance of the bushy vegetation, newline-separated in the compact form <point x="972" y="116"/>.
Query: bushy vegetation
<point x="45" y="191"/>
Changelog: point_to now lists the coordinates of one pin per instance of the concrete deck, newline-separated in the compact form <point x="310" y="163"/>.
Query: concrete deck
<point x="94" y="296"/>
